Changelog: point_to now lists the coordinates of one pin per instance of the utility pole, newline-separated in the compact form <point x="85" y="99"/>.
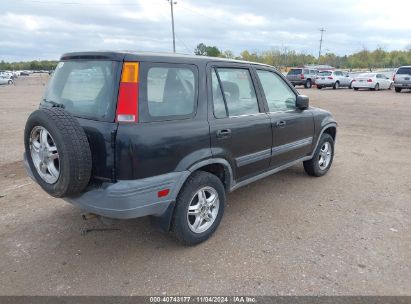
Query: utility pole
<point x="322" y="30"/>
<point x="172" y="23"/>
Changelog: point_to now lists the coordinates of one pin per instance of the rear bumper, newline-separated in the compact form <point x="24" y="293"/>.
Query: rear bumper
<point x="363" y="85"/>
<point x="324" y="84"/>
<point x="298" y="82"/>
<point x="402" y="85"/>
<point x="128" y="199"/>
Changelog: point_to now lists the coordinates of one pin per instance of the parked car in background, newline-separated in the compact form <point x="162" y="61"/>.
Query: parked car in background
<point x="402" y="78"/>
<point x="301" y="76"/>
<point x="372" y="81"/>
<point x="5" y="79"/>
<point x="333" y="79"/>
<point x="24" y="73"/>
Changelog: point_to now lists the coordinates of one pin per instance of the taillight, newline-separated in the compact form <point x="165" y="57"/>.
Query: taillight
<point x="127" y="104"/>
<point x="369" y="80"/>
<point x="354" y="80"/>
<point x="393" y="78"/>
<point x="330" y="78"/>
<point x="302" y="76"/>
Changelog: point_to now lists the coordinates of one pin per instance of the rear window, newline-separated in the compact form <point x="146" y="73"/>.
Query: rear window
<point x="367" y="75"/>
<point x="404" y="71"/>
<point x="325" y="73"/>
<point x="169" y="91"/>
<point x="295" y="72"/>
<point x="84" y="88"/>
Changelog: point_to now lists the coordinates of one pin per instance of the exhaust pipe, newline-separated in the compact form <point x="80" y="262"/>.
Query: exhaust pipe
<point x="88" y="216"/>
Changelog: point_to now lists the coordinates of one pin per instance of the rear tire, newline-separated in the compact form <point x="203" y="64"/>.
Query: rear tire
<point x="308" y="84"/>
<point x="356" y="89"/>
<point x="62" y="157"/>
<point x="377" y="87"/>
<point x="319" y="87"/>
<point x="194" y="227"/>
<point x="10" y="82"/>
<point x="350" y="87"/>
<point x="336" y="85"/>
<point x="398" y="90"/>
<point x="322" y="158"/>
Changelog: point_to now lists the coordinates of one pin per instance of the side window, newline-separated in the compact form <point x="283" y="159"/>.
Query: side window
<point x="379" y="76"/>
<point x="171" y="91"/>
<point x="218" y="100"/>
<point x="278" y="94"/>
<point x="238" y="90"/>
<point x="306" y="71"/>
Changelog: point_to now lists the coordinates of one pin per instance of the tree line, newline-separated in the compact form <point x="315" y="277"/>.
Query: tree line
<point x="285" y="57"/>
<point x="34" y="65"/>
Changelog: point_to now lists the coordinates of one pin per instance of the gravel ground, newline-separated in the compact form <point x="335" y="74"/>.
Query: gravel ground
<point x="347" y="233"/>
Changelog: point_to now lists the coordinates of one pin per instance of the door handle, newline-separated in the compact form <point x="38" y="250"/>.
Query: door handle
<point x="225" y="133"/>
<point x="280" y="124"/>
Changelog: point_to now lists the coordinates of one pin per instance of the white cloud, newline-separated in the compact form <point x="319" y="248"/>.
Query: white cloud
<point x="49" y="28"/>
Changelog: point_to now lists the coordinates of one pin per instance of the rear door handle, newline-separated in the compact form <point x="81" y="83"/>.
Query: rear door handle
<point x="280" y="124"/>
<point x="225" y="133"/>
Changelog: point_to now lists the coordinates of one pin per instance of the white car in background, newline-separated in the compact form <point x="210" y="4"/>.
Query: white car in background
<point x="372" y="81"/>
<point x="5" y="79"/>
<point x="334" y="79"/>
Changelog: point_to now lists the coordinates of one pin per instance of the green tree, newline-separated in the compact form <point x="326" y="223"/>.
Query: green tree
<point x="205" y="50"/>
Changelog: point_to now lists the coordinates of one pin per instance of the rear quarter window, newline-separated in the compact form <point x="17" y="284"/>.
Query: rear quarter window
<point x="169" y="91"/>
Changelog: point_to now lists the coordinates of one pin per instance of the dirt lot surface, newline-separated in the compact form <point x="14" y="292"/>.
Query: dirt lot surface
<point x="289" y="234"/>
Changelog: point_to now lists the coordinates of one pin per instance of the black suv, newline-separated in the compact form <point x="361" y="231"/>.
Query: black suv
<point x="125" y="135"/>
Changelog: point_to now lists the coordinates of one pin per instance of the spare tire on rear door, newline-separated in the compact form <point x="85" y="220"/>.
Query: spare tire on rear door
<point x="57" y="152"/>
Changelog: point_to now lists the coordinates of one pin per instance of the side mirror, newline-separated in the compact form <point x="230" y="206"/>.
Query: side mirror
<point x="302" y="102"/>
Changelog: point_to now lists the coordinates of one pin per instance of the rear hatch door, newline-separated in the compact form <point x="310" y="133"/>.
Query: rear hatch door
<point x="403" y="76"/>
<point x="294" y="75"/>
<point x="87" y="87"/>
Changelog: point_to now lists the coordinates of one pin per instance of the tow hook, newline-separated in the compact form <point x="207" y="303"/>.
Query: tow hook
<point x="88" y="216"/>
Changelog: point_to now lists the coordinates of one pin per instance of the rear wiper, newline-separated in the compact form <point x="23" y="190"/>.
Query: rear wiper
<point x="54" y="104"/>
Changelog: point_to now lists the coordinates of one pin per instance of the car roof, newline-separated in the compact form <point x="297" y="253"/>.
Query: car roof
<point x="150" y="56"/>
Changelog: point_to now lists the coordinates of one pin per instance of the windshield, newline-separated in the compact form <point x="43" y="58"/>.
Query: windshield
<point x="84" y="88"/>
<point x="295" y="72"/>
<point x="404" y="71"/>
<point x="325" y="73"/>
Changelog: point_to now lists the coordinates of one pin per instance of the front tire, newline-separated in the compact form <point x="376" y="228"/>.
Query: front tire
<point x="319" y="87"/>
<point x="398" y="90"/>
<point x="355" y="89"/>
<point x="322" y="158"/>
<point x="199" y="208"/>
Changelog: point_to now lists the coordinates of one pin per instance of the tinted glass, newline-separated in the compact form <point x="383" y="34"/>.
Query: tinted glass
<point x="325" y="73"/>
<point x="85" y="88"/>
<point x="238" y="91"/>
<point x="295" y="72"/>
<point x="170" y="91"/>
<point x="278" y="94"/>
<point x="404" y="71"/>
<point x="218" y="100"/>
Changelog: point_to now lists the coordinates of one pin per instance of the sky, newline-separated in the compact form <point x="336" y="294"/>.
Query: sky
<point x="45" y="29"/>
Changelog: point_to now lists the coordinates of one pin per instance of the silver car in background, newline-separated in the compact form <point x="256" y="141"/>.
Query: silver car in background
<point x="302" y="76"/>
<point x="372" y="81"/>
<point x="333" y="79"/>
<point x="402" y="78"/>
<point x="5" y="79"/>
